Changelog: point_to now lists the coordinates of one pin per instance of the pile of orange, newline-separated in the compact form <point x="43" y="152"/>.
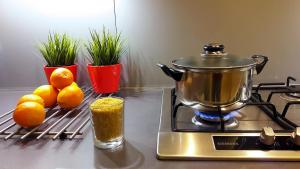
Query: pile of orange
<point x="63" y="90"/>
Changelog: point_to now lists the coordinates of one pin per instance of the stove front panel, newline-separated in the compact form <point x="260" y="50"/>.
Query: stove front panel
<point x="252" y="143"/>
<point x="200" y="146"/>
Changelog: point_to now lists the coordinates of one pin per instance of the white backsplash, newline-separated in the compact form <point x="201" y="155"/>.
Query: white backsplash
<point x="157" y="31"/>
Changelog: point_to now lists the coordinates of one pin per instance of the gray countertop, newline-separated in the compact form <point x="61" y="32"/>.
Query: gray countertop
<point x="142" y="111"/>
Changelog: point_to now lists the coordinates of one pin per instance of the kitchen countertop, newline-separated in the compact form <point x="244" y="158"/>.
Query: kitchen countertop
<point x="142" y="112"/>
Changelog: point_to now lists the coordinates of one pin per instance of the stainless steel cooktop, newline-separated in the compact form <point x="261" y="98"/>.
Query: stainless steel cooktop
<point x="181" y="138"/>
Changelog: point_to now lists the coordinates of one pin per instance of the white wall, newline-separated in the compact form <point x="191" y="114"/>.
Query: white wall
<point x="155" y="30"/>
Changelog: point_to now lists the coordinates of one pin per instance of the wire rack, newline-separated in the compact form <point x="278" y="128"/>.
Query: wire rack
<point x="59" y="123"/>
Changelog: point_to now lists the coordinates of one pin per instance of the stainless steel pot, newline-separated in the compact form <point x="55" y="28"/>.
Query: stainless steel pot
<point x="214" y="81"/>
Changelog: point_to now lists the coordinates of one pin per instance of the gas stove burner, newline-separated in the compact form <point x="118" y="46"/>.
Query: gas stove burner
<point x="209" y="120"/>
<point x="295" y="95"/>
<point x="216" y="117"/>
<point x="230" y="123"/>
<point x="291" y="96"/>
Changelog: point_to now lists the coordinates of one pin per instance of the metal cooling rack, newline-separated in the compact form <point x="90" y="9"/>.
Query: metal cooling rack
<point x="59" y="123"/>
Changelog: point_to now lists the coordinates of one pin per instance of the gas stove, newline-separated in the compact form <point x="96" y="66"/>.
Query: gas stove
<point x="266" y="128"/>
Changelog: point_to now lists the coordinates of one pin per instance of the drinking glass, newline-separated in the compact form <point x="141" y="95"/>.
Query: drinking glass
<point x="107" y="117"/>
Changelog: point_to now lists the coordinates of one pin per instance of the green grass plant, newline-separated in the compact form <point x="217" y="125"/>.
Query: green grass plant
<point x="104" y="48"/>
<point x="59" y="50"/>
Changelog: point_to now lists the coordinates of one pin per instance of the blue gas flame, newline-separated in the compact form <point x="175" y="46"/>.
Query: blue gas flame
<point x="214" y="117"/>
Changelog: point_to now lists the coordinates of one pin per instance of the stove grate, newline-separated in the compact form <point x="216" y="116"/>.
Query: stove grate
<point x="256" y="100"/>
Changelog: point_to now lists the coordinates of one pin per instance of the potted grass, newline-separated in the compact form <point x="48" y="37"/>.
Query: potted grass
<point x="104" y="70"/>
<point x="59" y="51"/>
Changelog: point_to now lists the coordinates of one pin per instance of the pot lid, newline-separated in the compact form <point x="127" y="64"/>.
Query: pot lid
<point x="213" y="57"/>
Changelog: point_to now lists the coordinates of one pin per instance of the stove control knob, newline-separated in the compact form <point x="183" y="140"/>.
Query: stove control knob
<point x="296" y="136"/>
<point x="267" y="136"/>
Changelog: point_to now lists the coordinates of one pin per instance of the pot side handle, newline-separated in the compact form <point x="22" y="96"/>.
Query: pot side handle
<point x="261" y="62"/>
<point x="176" y="75"/>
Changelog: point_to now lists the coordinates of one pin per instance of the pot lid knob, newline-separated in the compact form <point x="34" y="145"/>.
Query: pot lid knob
<point x="214" y="48"/>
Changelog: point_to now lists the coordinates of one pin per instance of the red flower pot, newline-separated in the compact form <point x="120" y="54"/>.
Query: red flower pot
<point x="105" y="79"/>
<point x="49" y="70"/>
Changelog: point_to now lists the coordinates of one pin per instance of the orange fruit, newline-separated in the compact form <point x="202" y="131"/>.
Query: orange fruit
<point x="74" y="84"/>
<point x="29" y="114"/>
<point x="48" y="93"/>
<point x="61" y="77"/>
<point x="70" y="97"/>
<point x="31" y="98"/>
